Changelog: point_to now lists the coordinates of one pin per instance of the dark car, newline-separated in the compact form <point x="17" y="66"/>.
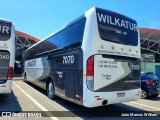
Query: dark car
<point x="150" y="84"/>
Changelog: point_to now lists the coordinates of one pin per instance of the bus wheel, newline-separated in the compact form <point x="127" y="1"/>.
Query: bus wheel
<point x="144" y="94"/>
<point x="51" y="89"/>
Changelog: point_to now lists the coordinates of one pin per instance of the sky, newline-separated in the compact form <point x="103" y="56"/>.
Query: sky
<point x="40" y="18"/>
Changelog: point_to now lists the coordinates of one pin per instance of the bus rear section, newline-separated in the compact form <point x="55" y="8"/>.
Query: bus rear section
<point x="7" y="43"/>
<point x="6" y="72"/>
<point x="112" y="60"/>
<point x="112" y="79"/>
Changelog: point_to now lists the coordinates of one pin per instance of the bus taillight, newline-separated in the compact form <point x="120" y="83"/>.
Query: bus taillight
<point x="90" y="66"/>
<point x="10" y="73"/>
<point x="90" y="73"/>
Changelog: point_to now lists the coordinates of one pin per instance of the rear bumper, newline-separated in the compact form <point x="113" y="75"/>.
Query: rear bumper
<point x="6" y="87"/>
<point x="110" y="97"/>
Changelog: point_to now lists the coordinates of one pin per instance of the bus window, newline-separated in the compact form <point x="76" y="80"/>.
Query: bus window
<point x="116" y="28"/>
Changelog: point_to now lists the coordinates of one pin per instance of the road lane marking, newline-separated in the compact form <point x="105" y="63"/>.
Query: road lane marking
<point x="146" y="106"/>
<point x="37" y="103"/>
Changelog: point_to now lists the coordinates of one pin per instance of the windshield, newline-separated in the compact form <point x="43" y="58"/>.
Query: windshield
<point x="5" y="31"/>
<point x="117" y="28"/>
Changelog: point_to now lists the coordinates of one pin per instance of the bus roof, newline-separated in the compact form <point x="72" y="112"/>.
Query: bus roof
<point x="5" y="20"/>
<point x="65" y="26"/>
<point x="74" y="21"/>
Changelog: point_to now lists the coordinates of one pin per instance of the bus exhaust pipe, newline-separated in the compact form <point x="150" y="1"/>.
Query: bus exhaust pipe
<point x="104" y="102"/>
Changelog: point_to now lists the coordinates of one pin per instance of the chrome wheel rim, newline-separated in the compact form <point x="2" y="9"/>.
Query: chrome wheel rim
<point x="143" y="94"/>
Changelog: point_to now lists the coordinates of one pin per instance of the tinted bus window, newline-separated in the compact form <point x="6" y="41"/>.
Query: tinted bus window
<point x="30" y="54"/>
<point x="5" y="31"/>
<point x="56" y="40"/>
<point x="70" y="35"/>
<point x="73" y="33"/>
<point x="117" y="28"/>
<point x="27" y="55"/>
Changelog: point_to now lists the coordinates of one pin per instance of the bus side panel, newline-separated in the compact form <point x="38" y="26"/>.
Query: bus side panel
<point x="66" y="69"/>
<point x="74" y="83"/>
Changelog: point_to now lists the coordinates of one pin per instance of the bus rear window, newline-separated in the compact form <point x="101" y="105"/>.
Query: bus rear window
<point x="4" y="63"/>
<point x="5" y="31"/>
<point x="117" y="28"/>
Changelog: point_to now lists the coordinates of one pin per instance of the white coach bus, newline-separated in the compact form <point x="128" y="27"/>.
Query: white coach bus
<point x="7" y="55"/>
<point x="92" y="61"/>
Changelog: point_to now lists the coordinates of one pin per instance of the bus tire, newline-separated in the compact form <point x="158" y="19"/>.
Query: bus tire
<point x="50" y="89"/>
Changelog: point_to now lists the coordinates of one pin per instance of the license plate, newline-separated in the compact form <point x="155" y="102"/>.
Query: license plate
<point x="121" y="94"/>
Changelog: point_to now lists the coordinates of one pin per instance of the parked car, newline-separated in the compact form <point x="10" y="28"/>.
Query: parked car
<point x="150" y="85"/>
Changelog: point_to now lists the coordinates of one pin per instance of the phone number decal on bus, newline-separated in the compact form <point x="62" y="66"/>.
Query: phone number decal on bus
<point x="4" y="56"/>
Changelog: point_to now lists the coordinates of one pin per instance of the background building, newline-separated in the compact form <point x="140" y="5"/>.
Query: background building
<point x="150" y="50"/>
<point x="23" y="41"/>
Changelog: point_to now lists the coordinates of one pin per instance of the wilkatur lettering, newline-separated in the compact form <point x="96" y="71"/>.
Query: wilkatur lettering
<point x="107" y="19"/>
<point x="4" y="29"/>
